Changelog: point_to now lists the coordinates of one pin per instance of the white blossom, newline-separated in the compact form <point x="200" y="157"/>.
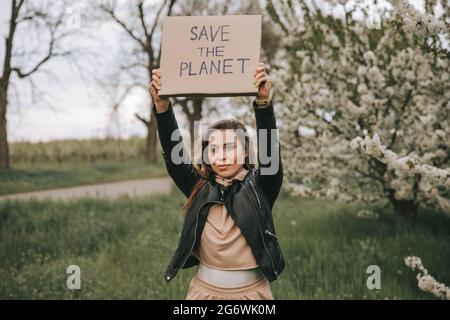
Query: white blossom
<point x="367" y="214"/>
<point x="425" y="281"/>
<point x="377" y="111"/>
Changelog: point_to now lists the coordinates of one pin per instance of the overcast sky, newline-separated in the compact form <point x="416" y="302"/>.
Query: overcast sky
<point x="80" y="112"/>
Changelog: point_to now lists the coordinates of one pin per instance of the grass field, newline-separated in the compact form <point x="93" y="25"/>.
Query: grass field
<point x="26" y="178"/>
<point x="67" y="163"/>
<point x="123" y="246"/>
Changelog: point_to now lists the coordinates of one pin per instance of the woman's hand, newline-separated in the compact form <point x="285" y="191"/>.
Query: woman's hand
<point x="162" y="103"/>
<point x="262" y="81"/>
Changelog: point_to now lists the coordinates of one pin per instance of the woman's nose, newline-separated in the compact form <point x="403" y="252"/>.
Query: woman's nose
<point x="220" y="156"/>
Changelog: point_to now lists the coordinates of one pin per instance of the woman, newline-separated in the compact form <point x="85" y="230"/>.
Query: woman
<point x="228" y="229"/>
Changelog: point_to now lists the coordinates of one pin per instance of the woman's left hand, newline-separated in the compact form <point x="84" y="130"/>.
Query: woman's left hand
<point x="262" y="81"/>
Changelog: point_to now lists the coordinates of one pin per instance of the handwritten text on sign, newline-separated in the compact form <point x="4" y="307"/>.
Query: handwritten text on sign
<point x="221" y="65"/>
<point x="210" y="55"/>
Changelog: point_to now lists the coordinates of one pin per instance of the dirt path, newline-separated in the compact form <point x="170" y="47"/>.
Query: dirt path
<point x="111" y="190"/>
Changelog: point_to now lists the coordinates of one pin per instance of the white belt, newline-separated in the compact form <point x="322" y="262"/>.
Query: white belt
<point x="228" y="278"/>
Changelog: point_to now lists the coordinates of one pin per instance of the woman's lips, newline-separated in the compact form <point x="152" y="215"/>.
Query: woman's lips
<point x="222" y="167"/>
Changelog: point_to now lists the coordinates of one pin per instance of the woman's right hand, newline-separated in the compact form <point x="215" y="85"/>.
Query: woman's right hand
<point x="162" y="103"/>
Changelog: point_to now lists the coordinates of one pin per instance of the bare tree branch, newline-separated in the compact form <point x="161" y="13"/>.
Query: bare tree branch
<point x="112" y="14"/>
<point x="140" y="5"/>
<point x="169" y="13"/>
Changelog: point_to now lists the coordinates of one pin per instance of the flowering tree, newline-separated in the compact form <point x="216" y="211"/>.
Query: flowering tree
<point x="365" y="110"/>
<point x="426" y="281"/>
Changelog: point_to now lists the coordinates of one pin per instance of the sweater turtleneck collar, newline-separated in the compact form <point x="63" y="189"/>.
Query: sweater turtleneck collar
<point x="228" y="181"/>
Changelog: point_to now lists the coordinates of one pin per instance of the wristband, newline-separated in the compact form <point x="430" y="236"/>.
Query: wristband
<point x="263" y="102"/>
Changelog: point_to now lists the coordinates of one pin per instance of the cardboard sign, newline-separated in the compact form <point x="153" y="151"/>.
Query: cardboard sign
<point x="210" y="55"/>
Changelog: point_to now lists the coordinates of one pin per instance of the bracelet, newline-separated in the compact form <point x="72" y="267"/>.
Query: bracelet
<point x="263" y="102"/>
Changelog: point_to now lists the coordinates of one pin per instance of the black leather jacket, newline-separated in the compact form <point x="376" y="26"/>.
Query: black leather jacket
<point x="249" y="202"/>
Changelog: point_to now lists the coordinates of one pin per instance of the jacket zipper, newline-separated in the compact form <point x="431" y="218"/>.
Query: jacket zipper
<point x="254" y="189"/>
<point x="257" y="197"/>
<point x="260" y="230"/>
<point x="273" y="235"/>
<point x="195" y="232"/>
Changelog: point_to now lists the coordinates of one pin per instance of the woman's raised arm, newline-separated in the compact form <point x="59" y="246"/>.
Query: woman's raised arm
<point x="269" y="153"/>
<point x="178" y="163"/>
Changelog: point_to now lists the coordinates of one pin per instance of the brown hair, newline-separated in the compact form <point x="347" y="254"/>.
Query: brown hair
<point x="203" y="168"/>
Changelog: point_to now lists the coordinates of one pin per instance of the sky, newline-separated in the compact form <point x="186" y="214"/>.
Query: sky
<point x="77" y="109"/>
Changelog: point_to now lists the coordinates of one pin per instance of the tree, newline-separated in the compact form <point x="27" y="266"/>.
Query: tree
<point x="365" y="110"/>
<point x="140" y="22"/>
<point x="23" y="63"/>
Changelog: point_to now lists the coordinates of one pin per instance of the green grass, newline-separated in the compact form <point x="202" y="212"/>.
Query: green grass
<point x="27" y="178"/>
<point x="123" y="246"/>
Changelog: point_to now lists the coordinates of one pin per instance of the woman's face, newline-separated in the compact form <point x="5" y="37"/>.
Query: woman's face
<point x="226" y="152"/>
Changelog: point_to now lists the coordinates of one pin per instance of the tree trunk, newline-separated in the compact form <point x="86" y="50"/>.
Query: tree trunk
<point x="151" y="141"/>
<point x="4" y="148"/>
<point x="405" y="210"/>
<point x="196" y="115"/>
